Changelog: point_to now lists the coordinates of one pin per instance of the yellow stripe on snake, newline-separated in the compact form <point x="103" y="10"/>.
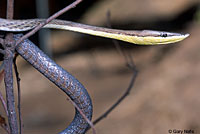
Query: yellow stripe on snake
<point x="144" y="37"/>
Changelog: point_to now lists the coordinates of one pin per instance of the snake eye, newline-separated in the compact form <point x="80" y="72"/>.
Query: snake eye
<point x="163" y="35"/>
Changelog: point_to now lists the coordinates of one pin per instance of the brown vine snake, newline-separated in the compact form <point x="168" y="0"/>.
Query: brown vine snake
<point x="145" y="37"/>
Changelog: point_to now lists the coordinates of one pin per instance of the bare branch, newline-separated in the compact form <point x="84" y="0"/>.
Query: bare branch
<point x="8" y="79"/>
<point x="10" y="9"/>
<point x="120" y="99"/>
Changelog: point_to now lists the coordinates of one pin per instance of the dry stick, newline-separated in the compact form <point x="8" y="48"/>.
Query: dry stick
<point x="10" y="9"/>
<point x="104" y="115"/>
<point x="10" y="4"/>
<point x="8" y="79"/>
<point x="120" y="99"/>
<point x="19" y="94"/>
<point x="46" y="22"/>
<point x="131" y="65"/>
<point x="10" y="13"/>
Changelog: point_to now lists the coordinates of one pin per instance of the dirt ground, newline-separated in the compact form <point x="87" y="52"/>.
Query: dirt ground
<point x="165" y="95"/>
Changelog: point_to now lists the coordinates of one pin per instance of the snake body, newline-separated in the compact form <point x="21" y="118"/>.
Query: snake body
<point x="64" y="80"/>
<point x="146" y="37"/>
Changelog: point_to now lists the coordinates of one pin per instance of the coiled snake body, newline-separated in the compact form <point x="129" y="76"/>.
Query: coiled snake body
<point x="64" y="80"/>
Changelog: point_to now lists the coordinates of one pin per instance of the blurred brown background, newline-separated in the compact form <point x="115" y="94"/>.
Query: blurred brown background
<point x="166" y="93"/>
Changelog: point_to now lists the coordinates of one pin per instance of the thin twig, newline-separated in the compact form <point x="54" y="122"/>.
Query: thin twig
<point x="8" y="79"/>
<point x="84" y="116"/>
<point x="129" y="61"/>
<point x="19" y="94"/>
<point x="105" y="114"/>
<point x="10" y="13"/>
<point x="120" y="99"/>
<point x="48" y="20"/>
<point x="10" y="9"/>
